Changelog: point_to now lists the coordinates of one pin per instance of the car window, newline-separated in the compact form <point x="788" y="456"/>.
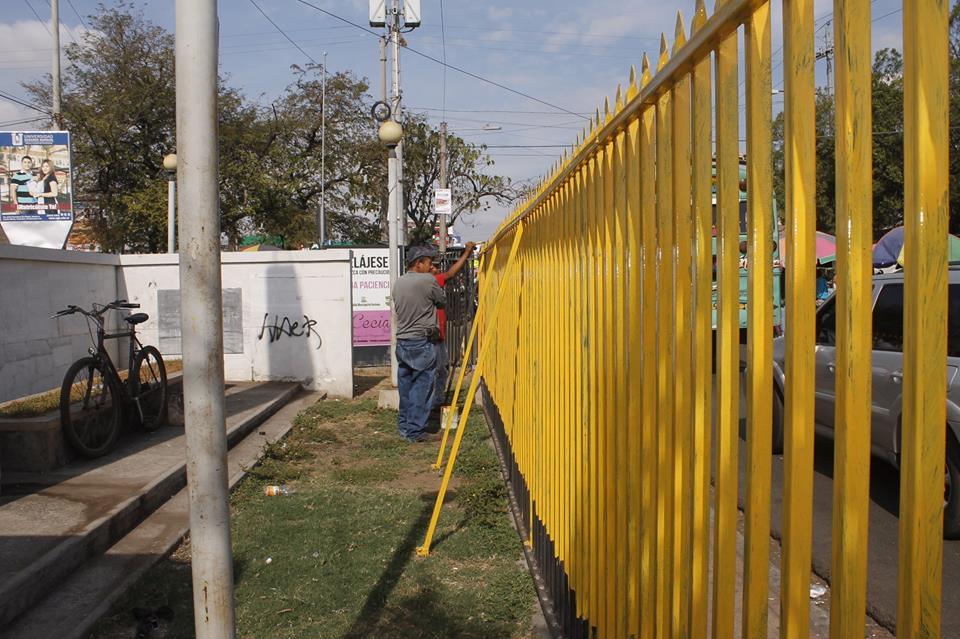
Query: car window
<point x="827" y="324"/>
<point x="953" y="322"/>
<point x="888" y="319"/>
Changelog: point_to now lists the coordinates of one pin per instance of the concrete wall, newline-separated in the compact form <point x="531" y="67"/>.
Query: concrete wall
<point x="35" y="283"/>
<point x="287" y="314"/>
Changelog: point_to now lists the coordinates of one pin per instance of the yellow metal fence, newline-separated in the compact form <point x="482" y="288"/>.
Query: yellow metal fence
<point x="595" y="324"/>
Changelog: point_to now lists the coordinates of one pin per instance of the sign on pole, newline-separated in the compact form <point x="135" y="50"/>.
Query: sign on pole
<point x="442" y="202"/>
<point x="36" y="190"/>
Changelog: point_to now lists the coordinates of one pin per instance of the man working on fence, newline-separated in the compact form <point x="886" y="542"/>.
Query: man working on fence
<point x="443" y="363"/>
<point x="416" y="298"/>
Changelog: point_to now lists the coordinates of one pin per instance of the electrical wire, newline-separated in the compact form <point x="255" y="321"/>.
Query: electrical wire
<point x="282" y="32"/>
<point x="39" y="19"/>
<point x="82" y="21"/>
<point x="16" y="122"/>
<point x="13" y="98"/>
<point x="449" y="66"/>
<point x="491" y="111"/>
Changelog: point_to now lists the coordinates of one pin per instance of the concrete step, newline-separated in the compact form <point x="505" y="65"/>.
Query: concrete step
<point x="36" y="444"/>
<point x="77" y="604"/>
<point x="51" y="523"/>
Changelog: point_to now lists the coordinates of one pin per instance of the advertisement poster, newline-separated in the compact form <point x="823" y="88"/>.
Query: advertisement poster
<point x="442" y="202"/>
<point x="36" y="191"/>
<point x="371" y="289"/>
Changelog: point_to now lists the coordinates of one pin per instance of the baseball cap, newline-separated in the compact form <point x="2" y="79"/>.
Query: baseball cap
<point x="419" y="251"/>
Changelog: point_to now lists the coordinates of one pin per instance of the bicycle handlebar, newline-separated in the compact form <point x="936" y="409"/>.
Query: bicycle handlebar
<point x="94" y="312"/>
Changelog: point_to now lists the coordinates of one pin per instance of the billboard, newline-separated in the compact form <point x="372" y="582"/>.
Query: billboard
<point x="36" y="189"/>
<point x="371" y="290"/>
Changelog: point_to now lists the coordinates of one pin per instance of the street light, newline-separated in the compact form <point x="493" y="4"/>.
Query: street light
<point x="170" y="166"/>
<point x="390" y="134"/>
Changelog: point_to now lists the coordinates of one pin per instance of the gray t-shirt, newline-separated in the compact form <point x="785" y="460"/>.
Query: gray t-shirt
<point x="416" y="298"/>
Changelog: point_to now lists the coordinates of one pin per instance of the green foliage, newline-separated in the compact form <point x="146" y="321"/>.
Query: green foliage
<point x="887" y="88"/>
<point x="119" y="102"/>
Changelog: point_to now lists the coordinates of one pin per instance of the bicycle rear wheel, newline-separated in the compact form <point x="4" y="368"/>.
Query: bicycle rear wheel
<point x="89" y="411"/>
<point x="150" y="388"/>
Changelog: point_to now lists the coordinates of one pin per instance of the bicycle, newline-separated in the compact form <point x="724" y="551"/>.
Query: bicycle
<point x="94" y="398"/>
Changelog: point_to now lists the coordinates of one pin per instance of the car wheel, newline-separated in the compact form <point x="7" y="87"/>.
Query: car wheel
<point x="777" y="434"/>
<point x="951" y="490"/>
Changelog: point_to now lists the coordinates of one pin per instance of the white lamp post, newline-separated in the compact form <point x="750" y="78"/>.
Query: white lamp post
<point x="390" y="134"/>
<point x="170" y="166"/>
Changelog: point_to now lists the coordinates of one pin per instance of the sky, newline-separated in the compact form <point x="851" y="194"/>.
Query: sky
<point x="568" y="55"/>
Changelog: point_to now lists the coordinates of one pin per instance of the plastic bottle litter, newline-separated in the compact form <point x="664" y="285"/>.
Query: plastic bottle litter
<point x="277" y="490"/>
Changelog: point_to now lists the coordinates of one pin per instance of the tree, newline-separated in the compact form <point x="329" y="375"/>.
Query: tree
<point x="954" y="53"/>
<point x="473" y="188"/>
<point x="119" y="102"/>
<point x="291" y="182"/>
<point x="887" y="112"/>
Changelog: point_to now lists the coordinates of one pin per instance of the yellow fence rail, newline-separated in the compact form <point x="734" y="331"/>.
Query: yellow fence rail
<point x="596" y="334"/>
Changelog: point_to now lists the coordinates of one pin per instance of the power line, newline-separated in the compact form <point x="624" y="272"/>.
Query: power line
<point x="13" y="98"/>
<point x="39" y="19"/>
<point x="82" y="21"/>
<point x="449" y="66"/>
<point x="16" y="122"/>
<point x="277" y="27"/>
<point x="527" y="146"/>
<point x="491" y="111"/>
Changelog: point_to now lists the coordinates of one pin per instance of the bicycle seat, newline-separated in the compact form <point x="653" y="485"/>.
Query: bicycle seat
<point x="136" y="318"/>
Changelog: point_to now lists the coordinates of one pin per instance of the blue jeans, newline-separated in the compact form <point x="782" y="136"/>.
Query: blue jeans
<point x="416" y="377"/>
<point x="440" y="390"/>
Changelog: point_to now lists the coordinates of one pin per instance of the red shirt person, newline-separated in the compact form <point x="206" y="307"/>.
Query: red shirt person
<point x="440" y="390"/>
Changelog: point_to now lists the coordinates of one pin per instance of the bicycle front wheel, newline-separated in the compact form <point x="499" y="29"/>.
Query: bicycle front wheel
<point x="89" y="411"/>
<point x="150" y="388"/>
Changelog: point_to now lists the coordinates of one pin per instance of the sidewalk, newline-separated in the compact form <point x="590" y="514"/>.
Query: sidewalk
<point x="53" y="524"/>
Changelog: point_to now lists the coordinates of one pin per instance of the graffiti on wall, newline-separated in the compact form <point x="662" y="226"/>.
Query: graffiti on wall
<point x="283" y="327"/>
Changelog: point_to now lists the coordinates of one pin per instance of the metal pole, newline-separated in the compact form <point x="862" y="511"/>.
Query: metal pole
<point x="383" y="69"/>
<point x="201" y="318"/>
<point x="55" y="72"/>
<point x="394" y="255"/>
<point x="323" y="153"/>
<point x="171" y="212"/>
<point x="395" y="35"/>
<point x="442" y="219"/>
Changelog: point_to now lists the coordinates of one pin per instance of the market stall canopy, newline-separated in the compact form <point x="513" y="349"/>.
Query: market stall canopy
<point x="887" y="249"/>
<point x="260" y="247"/>
<point x="826" y="247"/>
<point x="953" y="250"/>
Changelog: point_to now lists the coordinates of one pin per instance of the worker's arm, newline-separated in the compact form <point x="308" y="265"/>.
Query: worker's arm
<point x="458" y="265"/>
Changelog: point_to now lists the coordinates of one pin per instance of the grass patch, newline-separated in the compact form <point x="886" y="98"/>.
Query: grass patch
<point x="336" y="559"/>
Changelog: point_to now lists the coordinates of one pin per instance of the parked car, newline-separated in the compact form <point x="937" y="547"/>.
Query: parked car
<point x="887" y="395"/>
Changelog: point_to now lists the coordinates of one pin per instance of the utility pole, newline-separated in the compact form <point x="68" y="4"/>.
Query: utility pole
<point x="442" y="218"/>
<point x="55" y="71"/>
<point x="395" y="106"/>
<point x="201" y="319"/>
<point x="323" y="154"/>
<point x="383" y="68"/>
